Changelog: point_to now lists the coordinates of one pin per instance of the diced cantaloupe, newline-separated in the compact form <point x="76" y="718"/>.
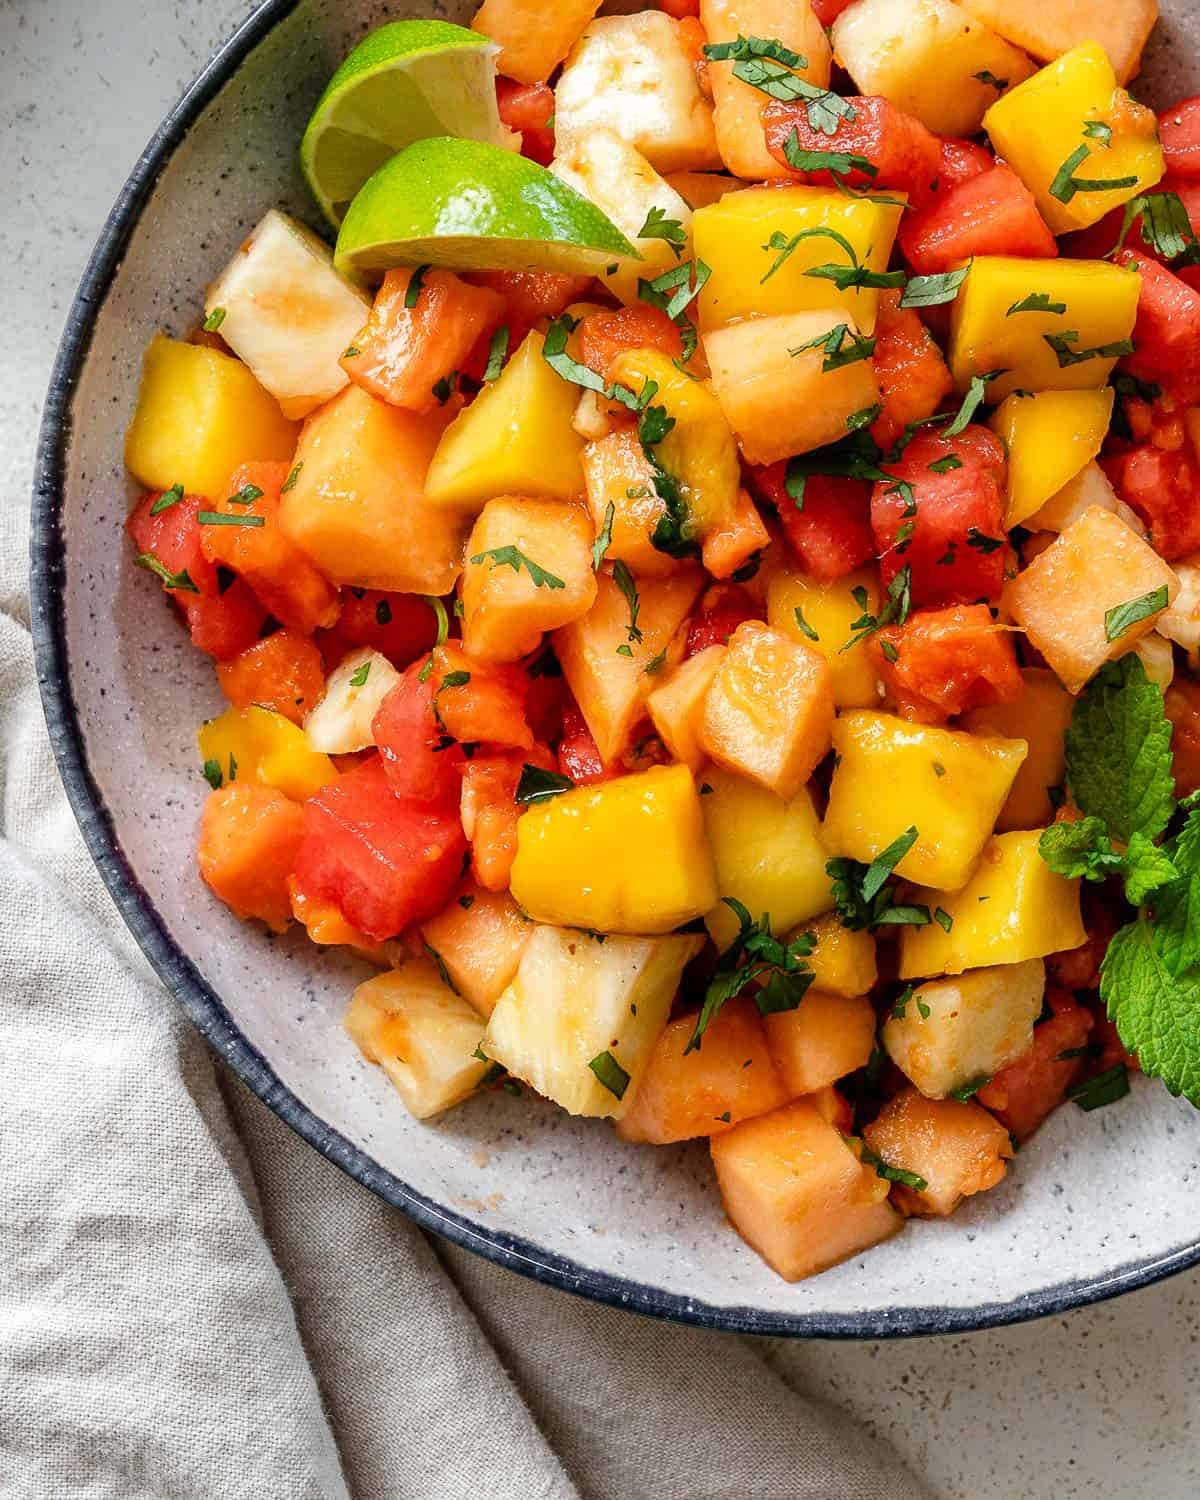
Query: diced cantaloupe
<point x="1063" y="598"/>
<point x="356" y="501"/>
<point x="728" y="1078"/>
<point x="954" y="1146"/>
<point x="951" y="1034"/>
<point x="533" y="38"/>
<point x="479" y="938"/>
<point x="341" y="722"/>
<point x="1050" y="436"/>
<point x="677" y="706"/>
<point x="768" y="712"/>
<point x="1089" y="487"/>
<point x="1047" y="31"/>
<point x="249" y="835"/>
<point x="1039" y="717"/>
<point x="843" y="962"/>
<point x="823" y="1039"/>
<point x="737" y="542"/>
<point x="797" y="1192"/>
<point x="616" y="472"/>
<point x="828" y="611"/>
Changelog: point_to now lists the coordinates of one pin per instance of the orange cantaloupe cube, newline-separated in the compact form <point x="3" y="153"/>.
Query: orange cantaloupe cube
<point x="249" y="835"/>
<point x="731" y="544"/>
<point x="954" y="1145"/>
<point x="616" y="472"/>
<point x="676" y="706"/>
<point x="479" y="938"/>
<point x="823" y="1039"/>
<point x="1040" y="717"/>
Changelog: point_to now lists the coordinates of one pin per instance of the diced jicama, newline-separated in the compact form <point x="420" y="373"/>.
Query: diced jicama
<point x="1089" y="487"/>
<point x="341" y="721"/>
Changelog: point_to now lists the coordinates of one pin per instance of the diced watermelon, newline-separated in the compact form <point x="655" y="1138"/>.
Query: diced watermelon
<point x="1179" y="132"/>
<point x="530" y="295"/>
<point x="912" y="375"/>
<point x="827" y="11"/>
<point x="904" y="154"/>
<point x="720" y="611"/>
<point x="421" y="761"/>
<point x="398" y="626"/>
<point x="1166" y="336"/>
<point x="830" y="531"/>
<point x="991" y="213"/>
<point x="479" y="702"/>
<point x="529" y="109"/>
<point x="942" y="662"/>
<point x="1164" y="488"/>
<point x="1024" y="1093"/>
<point x="604" y="335"/>
<point x="578" y="756"/>
<point x="960" y="161"/>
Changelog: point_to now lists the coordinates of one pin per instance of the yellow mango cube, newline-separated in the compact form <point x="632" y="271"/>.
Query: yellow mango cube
<point x="533" y="38"/>
<point x="256" y="744"/>
<point x="199" y="414"/>
<point x="843" y="962"/>
<point x="894" y="48"/>
<point x="1041" y="129"/>
<point x="987" y="333"/>
<point x="769" y="710"/>
<point x="616" y="472"/>
<point x="479" y="939"/>
<point x="1050" y="437"/>
<point x="768" y="854"/>
<point x="1014" y="907"/>
<point x="1039" y="717"/>
<point x="771" y="379"/>
<point x="628" y="855"/>
<point x="528" y="569"/>
<point x="892" y="775"/>
<point x="827" y="611"/>
<point x="1063" y="598"/>
<point x="732" y="237"/>
<point x="515" y="438"/>
<point x="1047" y="31"/>
<point x="823" y="1039"/>
<point x="610" y="686"/>
<point x="677" y="706"/>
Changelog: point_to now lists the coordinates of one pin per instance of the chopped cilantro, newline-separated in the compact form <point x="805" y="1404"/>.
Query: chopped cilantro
<point x="359" y="677"/>
<point x="497" y="353"/>
<point x="1065" y="184"/>
<point x="413" y="290"/>
<point x="214" y="320"/>
<point x="609" y="1073"/>
<point x="604" y="538"/>
<point x="537" y="785"/>
<point x="803" y="626"/>
<point x="1036" y="302"/>
<point x="181" y="581"/>
<point x="514" y="558"/>
<point x="756" y="954"/>
<point x="933" y="290"/>
<point x="168" y="498"/>
<point x="659" y="227"/>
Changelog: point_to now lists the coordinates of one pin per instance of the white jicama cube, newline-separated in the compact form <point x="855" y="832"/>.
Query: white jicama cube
<point x="287" y="313"/>
<point x="633" y="75"/>
<point x="958" y="1031"/>
<point x="1048" y="28"/>
<point x="619" y="180"/>
<point x="580" y="1019"/>
<point x="421" y="1034"/>
<point x="1158" y="659"/>
<point x="926" y="57"/>
<point x="1181" y="621"/>
<point x="341" y="721"/>
<point x="1089" y="487"/>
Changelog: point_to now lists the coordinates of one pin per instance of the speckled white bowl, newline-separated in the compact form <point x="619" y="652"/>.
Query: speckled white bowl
<point x="1096" y="1204"/>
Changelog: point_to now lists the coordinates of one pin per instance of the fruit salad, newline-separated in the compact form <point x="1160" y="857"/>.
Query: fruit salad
<point x="700" y="548"/>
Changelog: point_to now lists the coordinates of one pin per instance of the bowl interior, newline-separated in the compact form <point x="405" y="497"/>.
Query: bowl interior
<point x="1095" y="1203"/>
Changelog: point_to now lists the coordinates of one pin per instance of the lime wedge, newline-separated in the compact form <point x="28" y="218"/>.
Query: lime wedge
<point x="474" y="207"/>
<point x="407" y="80"/>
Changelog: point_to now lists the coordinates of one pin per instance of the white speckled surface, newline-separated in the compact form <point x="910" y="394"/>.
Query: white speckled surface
<point x="1099" y="1399"/>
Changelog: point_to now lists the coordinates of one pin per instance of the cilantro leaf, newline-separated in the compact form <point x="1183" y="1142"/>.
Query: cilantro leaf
<point x="862" y="896"/>
<point x="1122" y="617"/>
<point x="514" y="558"/>
<point x="537" y="785"/>
<point x="933" y="290"/>
<point x="659" y="227"/>
<point x="1036" y="302"/>
<point x="497" y="353"/>
<point x="604" y="536"/>
<point x="755" y="954"/>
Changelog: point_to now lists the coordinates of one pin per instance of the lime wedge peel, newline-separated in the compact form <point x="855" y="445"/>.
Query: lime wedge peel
<point x="470" y="206"/>
<point x="404" y="82"/>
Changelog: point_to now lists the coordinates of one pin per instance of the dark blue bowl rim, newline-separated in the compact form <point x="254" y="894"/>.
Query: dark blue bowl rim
<point x="205" y="1008"/>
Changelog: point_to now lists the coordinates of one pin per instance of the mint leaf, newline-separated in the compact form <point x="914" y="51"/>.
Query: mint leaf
<point x="1155" y="1011"/>
<point x="1146" y="868"/>
<point x="1080" y="850"/>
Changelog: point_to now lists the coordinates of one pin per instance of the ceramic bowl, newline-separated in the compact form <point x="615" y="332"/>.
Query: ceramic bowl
<point x="1095" y="1204"/>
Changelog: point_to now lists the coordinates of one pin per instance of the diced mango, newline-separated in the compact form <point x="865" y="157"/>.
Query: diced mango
<point x="616" y="472"/>
<point x="954" y="1146"/>
<point x="769" y="376"/>
<point x="1014" y="907"/>
<point x="199" y="414"/>
<point x="677" y="706"/>
<point x="610" y="686"/>
<point x="728" y="1078"/>
<point x="256" y="744"/>
<point x="733" y="237"/>
<point x="953" y="1033"/>
<point x="768" y="854"/>
<point x="1062" y="599"/>
<point x="798" y="1194"/>
<point x="1047" y="31"/>
<point x="637" y="846"/>
<point x="823" y="1039"/>
<point x="843" y="962"/>
<point x="1050" y="437"/>
<point x="828" y="610"/>
<point x="356" y="503"/>
<point x="1089" y="487"/>
<point x="529" y="569"/>
<point x="479" y="938"/>
<point x="515" y="438"/>
<point x="894" y="48"/>
<point x="768" y="711"/>
<point x="1042" y="125"/>
<point x="533" y="38"/>
<point x="1039" y="717"/>
<point x="986" y="334"/>
<point x="891" y="776"/>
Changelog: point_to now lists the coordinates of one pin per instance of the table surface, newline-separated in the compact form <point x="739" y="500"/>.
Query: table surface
<point x="1100" y="1401"/>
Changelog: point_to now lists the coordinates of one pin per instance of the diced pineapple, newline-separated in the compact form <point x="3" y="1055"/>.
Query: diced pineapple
<point x="479" y="938"/>
<point x="752" y="278"/>
<point x="341" y="721"/>
<point x="423" y="1036"/>
<point x="699" y="189"/>
<point x="769" y="376"/>
<point x="616" y="472"/>
<point x="956" y="1032"/>
<point x="768" y="711"/>
<point x="953" y="1145"/>
<point x="1039" y="717"/>
<point x="1089" y="487"/>
<point x="619" y="180"/>
<point x="828" y="610"/>
<point x="1181" y="622"/>
<point x="737" y="106"/>
<point x="768" y="854"/>
<point x="610" y="686"/>
<point x="288" y="313"/>
<point x="357" y="505"/>
<point x="1050" y="437"/>
<point x="627" y="855"/>
<point x="891" y="776"/>
<point x="580" y="1019"/>
<point x="1047" y="31"/>
<point x="1062" y="599"/>
<point x="896" y="47"/>
<point x="529" y="569"/>
<point x="1014" y="907"/>
<point x="843" y="962"/>
<point x="823" y="1039"/>
<point x="728" y="1078"/>
<point x="533" y="37"/>
<point x="515" y="438"/>
<point x="798" y="1194"/>
<point x="199" y="414"/>
<point x="676" y="707"/>
<point x="633" y="75"/>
